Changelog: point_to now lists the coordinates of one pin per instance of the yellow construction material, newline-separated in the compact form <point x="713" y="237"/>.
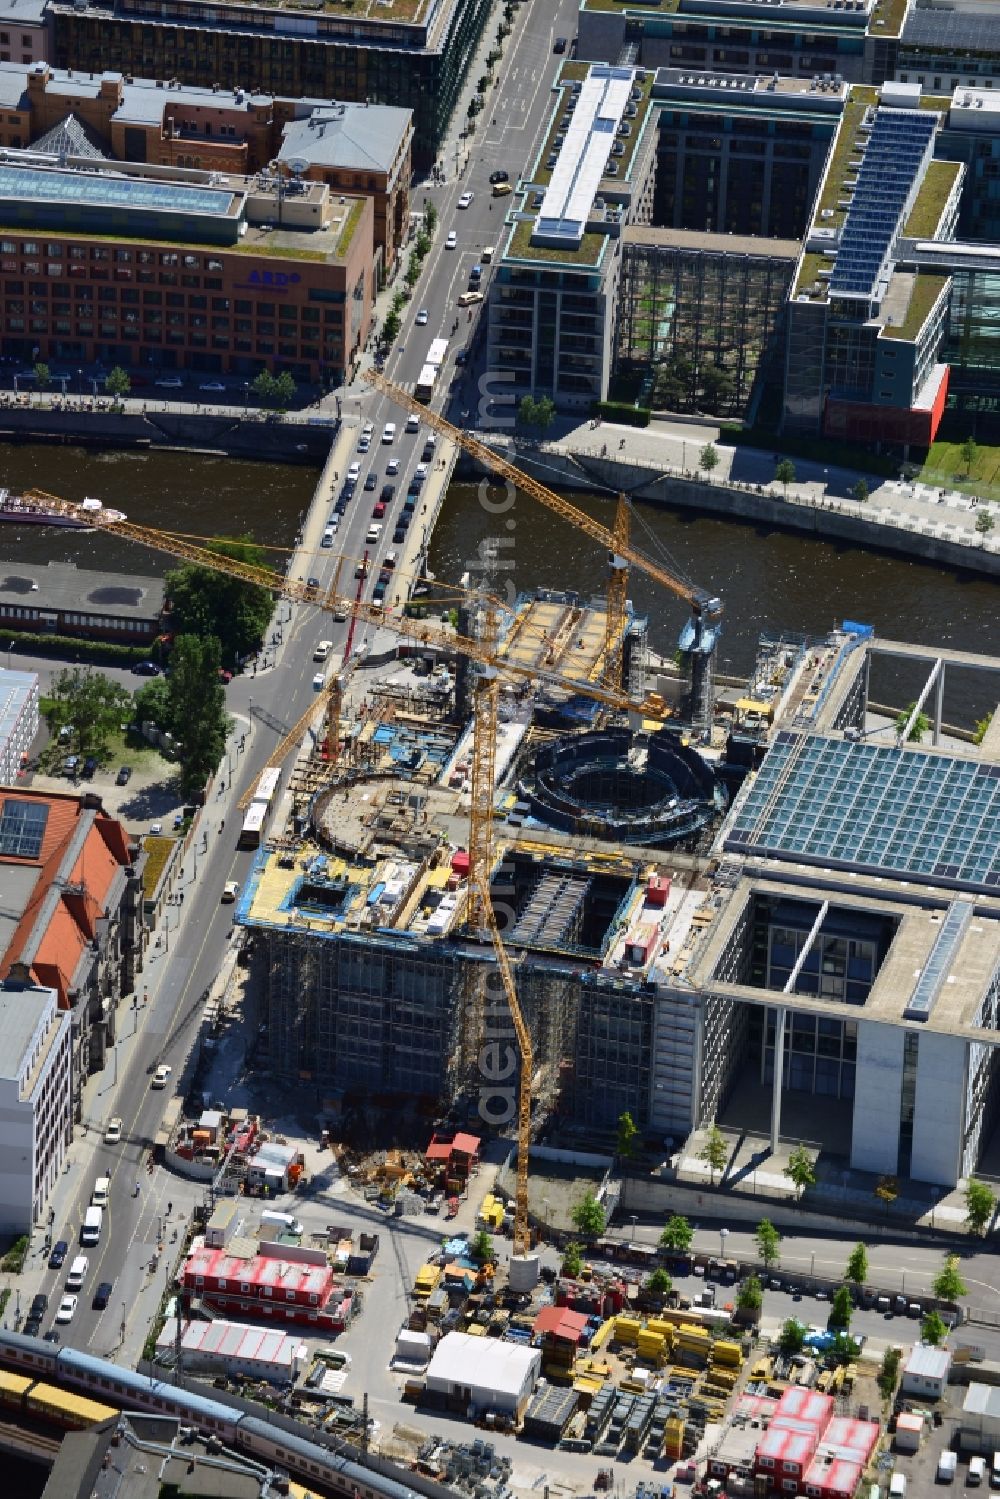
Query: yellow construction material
<point x="627" y="1330"/>
<point x="476" y="1330"/>
<point x="652" y="1346"/>
<point x="426" y="1280"/>
<point x="602" y="1334"/>
<point x="492" y="1211"/>
<point x="727" y="1353"/>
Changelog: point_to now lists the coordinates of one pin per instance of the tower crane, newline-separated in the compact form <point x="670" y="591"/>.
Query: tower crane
<point x="700" y="633"/>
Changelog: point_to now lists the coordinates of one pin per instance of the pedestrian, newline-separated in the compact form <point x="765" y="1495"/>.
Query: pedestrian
<point x="621" y="444"/>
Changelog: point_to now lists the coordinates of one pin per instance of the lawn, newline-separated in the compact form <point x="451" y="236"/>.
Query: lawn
<point x="946" y="466"/>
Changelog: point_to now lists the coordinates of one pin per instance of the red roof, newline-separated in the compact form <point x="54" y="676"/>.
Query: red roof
<point x="443" y="1150"/>
<point x="838" y="1477"/>
<point x="805" y="1405"/>
<point x="438" y="1150"/>
<point x="467" y="1144"/>
<point x="560" y="1322"/>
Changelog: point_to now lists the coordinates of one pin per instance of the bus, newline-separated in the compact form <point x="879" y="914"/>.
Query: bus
<point x="424" y="388"/>
<point x="256" y="815"/>
<point x="437" y="353"/>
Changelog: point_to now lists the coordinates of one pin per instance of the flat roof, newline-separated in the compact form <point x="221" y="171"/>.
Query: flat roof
<point x="874" y="808"/>
<point x="461" y="1359"/>
<point x="936" y="27"/>
<point x="21" y="1013"/>
<point x="583" y="156"/>
<point x="932" y="1363"/>
<point x="16" y="688"/>
<point x="63" y="585"/>
<point x="353" y="136"/>
<point x="708" y="242"/>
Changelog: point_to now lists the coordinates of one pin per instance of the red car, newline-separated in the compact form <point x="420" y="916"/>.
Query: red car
<point x="379" y="511"/>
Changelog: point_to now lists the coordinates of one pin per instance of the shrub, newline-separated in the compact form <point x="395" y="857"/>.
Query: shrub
<point x="619" y="411"/>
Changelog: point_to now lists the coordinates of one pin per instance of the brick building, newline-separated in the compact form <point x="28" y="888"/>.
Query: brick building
<point x="283" y="1282"/>
<point x="357" y="149"/>
<point x="70" y="915"/>
<point x="226" y="275"/>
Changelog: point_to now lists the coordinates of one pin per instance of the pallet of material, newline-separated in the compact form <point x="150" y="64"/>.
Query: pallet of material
<point x="549" y="1414"/>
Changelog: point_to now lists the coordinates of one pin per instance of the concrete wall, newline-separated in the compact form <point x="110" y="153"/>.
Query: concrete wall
<point x="272" y="441"/>
<point x="877" y="1091"/>
<point x="561" y="470"/>
<point x="939" y="1115"/>
<point x="17" y="1161"/>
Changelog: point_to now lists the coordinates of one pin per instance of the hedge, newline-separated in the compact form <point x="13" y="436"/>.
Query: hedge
<point x="814" y="449"/>
<point x="619" y="411"/>
<point x="81" y="650"/>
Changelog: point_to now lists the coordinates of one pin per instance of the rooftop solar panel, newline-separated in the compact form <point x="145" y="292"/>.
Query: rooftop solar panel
<point x="583" y="155"/>
<point x="874" y="808"/>
<point x="109" y="191"/>
<point x="22" y="828"/>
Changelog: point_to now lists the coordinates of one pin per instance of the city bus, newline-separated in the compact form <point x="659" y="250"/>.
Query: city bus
<point x="424" y="388"/>
<point x="256" y="814"/>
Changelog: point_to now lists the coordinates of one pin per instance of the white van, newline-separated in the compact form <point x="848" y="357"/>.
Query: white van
<point x="897" y="1486"/>
<point x="486" y="255"/>
<point x="995" y="1472"/>
<point x="93" y="1220"/>
<point x="947" y="1463"/>
<point x="322" y="650"/>
<point x="374" y="532"/>
<point x="328" y="536"/>
<point x="101" y="1195"/>
<point x="77" y="1273"/>
<point x="976" y="1473"/>
<point x="413" y="422"/>
<point x="285" y="1223"/>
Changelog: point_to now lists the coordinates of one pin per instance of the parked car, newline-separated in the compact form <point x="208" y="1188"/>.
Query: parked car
<point x="371" y="479"/>
<point x="421" y="317"/>
<point x="171" y="382"/>
<point x="124" y="776"/>
<point x="145" y="669"/>
<point x="499" y="176"/>
<point x="58" y="1253"/>
<point x="89" y="766"/>
<point x="212" y="385"/>
<point x="452" y="240"/>
<point x="113" y="1133"/>
<point x="560" y="45"/>
<point x="465" y="201"/>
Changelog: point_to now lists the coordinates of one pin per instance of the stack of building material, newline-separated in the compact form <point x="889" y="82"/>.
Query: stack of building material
<point x="549" y="1414"/>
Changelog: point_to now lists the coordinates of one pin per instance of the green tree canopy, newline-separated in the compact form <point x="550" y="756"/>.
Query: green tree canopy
<point x="921" y="724"/>
<point x="784" y="472"/>
<point x="768" y="1241"/>
<point x="750" y="1296"/>
<point x="628" y="1133"/>
<point x="801" y="1168"/>
<point x="588" y="1216"/>
<point x="933" y="1329"/>
<point x="572" y="1261"/>
<point x="715" y="1151"/>
<point x="118" y="383"/>
<point x="677" y="1235"/>
<point x="948" y="1283"/>
<point x="482" y="1248"/>
<point x="284" y="389"/>
<point x="980" y="1204"/>
<point x="791" y="1337"/>
<point x="210" y="603"/>
<point x="43" y="375"/>
<point x="708" y="458"/>
<point x="151" y="704"/>
<point x="970" y="451"/>
<point x="842" y="1308"/>
<point x="264" y="387"/>
<point x="659" y="1283"/>
<point x="857" y="1266"/>
<point x="197" y="708"/>
<point x="860" y="491"/>
<point x="889" y="1372"/>
<point x="984" y="521"/>
<point x="94" y="704"/>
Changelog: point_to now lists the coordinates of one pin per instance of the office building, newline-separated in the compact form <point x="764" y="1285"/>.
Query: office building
<point x="18" y="720"/>
<point x="853" y="39"/>
<point x="70" y="919"/>
<point x="553" y="299"/>
<point x="360" y="150"/>
<point x="217" y="275"/>
<point x="36" y="1122"/>
<point x="948" y="46"/>
<point x="24" y="31"/>
<point x="61" y="599"/>
<point x="413" y="54"/>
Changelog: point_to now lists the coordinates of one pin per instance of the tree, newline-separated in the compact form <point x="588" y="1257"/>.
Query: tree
<point x="572" y="1262"/>
<point x="980" y="1203"/>
<point x="264" y="387"/>
<point x="545" y="411"/>
<point x="677" y="1235"/>
<point x="284" y="390"/>
<point x="118" y="383"/>
<point x="984" y="522"/>
<point x="948" y="1284"/>
<point x="627" y="1134"/>
<point x="718" y="386"/>
<point x="982" y="728"/>
<point x="970" y="451"/>
<point x="151" y="704"/>
<point x="94" y="705"/>
<point x="43" y="376"/>
<point x="391" y="326"/>
<point x="204" y="602"/>
<point x="197" y="708"/>
<point x="526" y="409"/>
<point x="588" y="1216"/>
<point x="887" y="1190"/>
<point x="921" y="724"/>
<point x="482" y="1248"/>
<point x="857" y="1266"/>
<point x="750" y="1296"/>
<point x="801" y="1169"/>
<point x="430" y="216"/>
<point x="791" y="1337"/>
<point x="933" y="1329"/>
<point x="708" y="458"/>
<point x="784" y="473"/>
<point x="659" y="1283"/>
<point x="768" y="1242"/>
<point x="715" y="1151"/>
<point x="860" y="491"/>
<point x="889" y="1372"/>
<point x="841" y="1309"/>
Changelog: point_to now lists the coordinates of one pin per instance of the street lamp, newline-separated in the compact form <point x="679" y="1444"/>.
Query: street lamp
<point x="723" y="1236"/>
<point x="250" y="717"/>
<point x="633" y="1219"/>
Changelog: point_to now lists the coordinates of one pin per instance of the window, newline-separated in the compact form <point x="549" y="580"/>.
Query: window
<point x="244" y="1287"/>
<point x="289" y="1295"/>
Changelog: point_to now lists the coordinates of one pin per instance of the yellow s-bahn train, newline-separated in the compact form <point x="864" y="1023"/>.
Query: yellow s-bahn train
<point x="49" y="1404"/>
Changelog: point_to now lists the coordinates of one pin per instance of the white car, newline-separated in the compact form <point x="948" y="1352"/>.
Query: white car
<point x="156" y="828"/>
<point x="392" y="467"/>
<point x="420" y="473"/>
<point x="364" y="444"/>
<point x="354" y="473"/>
<point x="230" y="891"/>
<point x="465" y="201"/>
<point x="452" y="240"/>
<point x="113" y="1133"/>
<point x="389" y="432"/>
<point x="67" y="1308"/>
<point x="173" y="383"/>
<point x="216" y="385"/>
<point x="160" y="1076"/>
<point x="421" y="317"/>
<point x="368" y="430"/>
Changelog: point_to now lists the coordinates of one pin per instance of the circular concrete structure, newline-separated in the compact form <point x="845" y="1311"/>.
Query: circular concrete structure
<point x="626" y="788"/>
